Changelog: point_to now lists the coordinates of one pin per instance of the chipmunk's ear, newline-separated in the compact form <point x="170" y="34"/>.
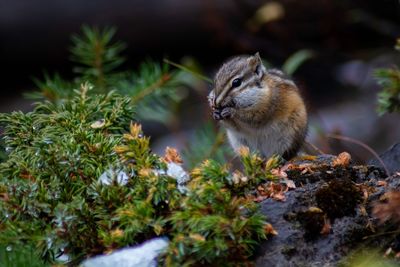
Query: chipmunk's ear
<point x="256" y="65"/>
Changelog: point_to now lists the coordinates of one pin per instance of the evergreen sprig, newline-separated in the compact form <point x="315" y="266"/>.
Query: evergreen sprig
<point x="155" y="90"/>
<point x="210" y="144"/>
<point x="97" y="56"/>
<point x="214" y="226"/>
<point x="53" y="88"/>
<point x="78" y="182"/>
<point x="389" y="96"/>
<point x="389" y="80"/>
<point x="56" y="153"/>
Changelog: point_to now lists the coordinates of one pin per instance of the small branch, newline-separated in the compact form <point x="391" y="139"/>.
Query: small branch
<point x="150" y="89"/>
<point x="381" y="234"/>
<point x="98" y="63"/>
<point x="354" y="141"/>
<point x="319" y="151"/>
<point x="181" y="67"/>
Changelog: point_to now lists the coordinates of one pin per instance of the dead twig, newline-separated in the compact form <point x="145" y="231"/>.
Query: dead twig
<point x="319" y="151"/>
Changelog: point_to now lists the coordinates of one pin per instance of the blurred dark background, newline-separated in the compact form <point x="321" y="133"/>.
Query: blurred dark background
<point x="349" y="40"/>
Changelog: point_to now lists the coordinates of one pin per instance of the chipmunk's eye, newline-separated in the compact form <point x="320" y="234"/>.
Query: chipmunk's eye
<point x="236" y="82"/>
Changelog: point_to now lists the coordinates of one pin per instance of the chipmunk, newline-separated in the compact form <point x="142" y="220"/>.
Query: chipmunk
<point x="261" y="109"/>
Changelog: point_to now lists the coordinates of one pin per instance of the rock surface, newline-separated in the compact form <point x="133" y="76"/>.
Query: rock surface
<point x="391" y="158"/>
<point x="328" y="215"/>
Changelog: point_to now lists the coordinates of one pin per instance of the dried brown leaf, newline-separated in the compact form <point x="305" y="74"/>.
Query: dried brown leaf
<point x="260" y="198"/>
<point x="389" y="210"/>
<point x="172" y="155"/>
<point x="4" y="197"/>
<point x="279" y="196"/>
<point x="278" y="172"/>
<point x="145" y="172"/>
<point x="365" y="195"/>
<point x="197" y="237"/>
<point x="326" y="229"/>
<point x="363" y="210"/>
<point x="269" y="229"/>
<point x="243" y="151"/>
<point x="117" y="233"/>
<point x="343" y="159"/>
<point x="382" y="183"/>
<point x="289" y="183"/>
<point x="121" y="149"/>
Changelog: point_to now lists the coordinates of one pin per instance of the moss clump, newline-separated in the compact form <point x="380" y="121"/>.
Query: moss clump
<point x="313" y="221"/>
<point x="338" y="198"/>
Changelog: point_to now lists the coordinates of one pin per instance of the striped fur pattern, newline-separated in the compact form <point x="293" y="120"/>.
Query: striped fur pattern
<point x="264" y="112"/>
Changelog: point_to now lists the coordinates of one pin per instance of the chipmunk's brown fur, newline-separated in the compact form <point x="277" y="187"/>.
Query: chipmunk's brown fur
<point x="260" y="108"/>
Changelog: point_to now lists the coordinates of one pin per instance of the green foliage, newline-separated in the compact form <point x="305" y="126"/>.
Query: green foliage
<point x="293" y="62"/>
<point x="79" y="178"/>
<point x="19" y="256"/>
<point x="53" y="192"/>
<point x="214" y="227"/>
<point x="155" y="90"/>
<point x="3" y="154"/>
<point x="56" y="153"/>
<point x="389" y="80"/>
<point x="97" y="56"/>
<point x="368" y="258"/>
<point x="52" y="88"/>
<point x="389" y="97"/>
<point x="213" y="146"/>
<point x="98" y="60"/>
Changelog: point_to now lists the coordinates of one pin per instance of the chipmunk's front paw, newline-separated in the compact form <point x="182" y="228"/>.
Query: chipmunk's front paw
<point x="227" y="113"/>
<point x="217" y="115"/>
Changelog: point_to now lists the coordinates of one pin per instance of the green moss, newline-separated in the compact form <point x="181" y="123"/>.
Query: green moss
<point x="20" y="255"/>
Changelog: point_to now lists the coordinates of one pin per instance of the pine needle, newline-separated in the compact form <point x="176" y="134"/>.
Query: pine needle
<point x="186" y="69"/>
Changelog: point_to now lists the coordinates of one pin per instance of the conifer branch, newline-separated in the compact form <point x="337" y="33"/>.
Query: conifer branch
<point x="186" y="69"/>
<point x="150" y="89"/>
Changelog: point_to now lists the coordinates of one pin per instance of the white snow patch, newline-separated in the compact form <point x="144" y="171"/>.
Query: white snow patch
<point x="176" y="171"/>
<point x="143" y="255"/>
<point x="109" y="175"/>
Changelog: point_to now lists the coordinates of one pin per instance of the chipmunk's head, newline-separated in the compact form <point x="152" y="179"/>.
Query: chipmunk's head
<point x="237" y="85"/>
